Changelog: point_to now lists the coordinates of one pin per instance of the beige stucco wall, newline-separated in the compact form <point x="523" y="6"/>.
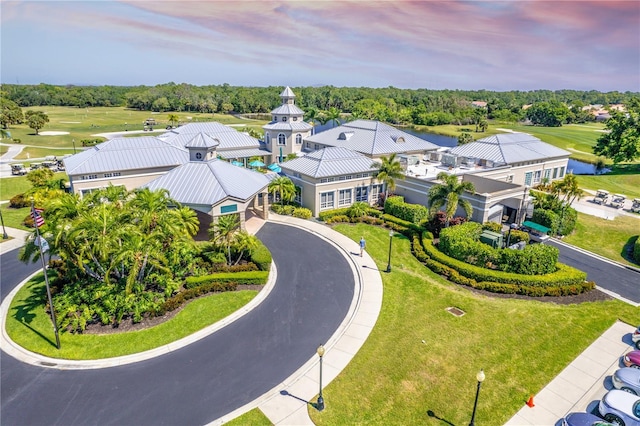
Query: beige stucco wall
<point x="129" y="179"/>
<point x="519" y="171"/>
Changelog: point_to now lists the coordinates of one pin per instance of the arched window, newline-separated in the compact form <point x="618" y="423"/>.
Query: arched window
<point x="267" y="138"/>
<point x="282" y="139"/>
<point x="298" y="139"/>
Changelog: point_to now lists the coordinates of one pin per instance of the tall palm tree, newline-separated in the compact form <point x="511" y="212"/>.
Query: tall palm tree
<point x="389" y="170"/>
<point x="448" y="194"/>
<point x="244" y="242"/>
<point x="173" y="119"/>
<point x="284" y="187"/>
<point x="333" y="115"/>
<point x="223" y="231"/>
<point x="568" y="189"/>
<point x="312" y="118"/>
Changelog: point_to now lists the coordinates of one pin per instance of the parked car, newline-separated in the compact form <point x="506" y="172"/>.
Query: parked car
<point x="632" y="359"/>
<point x="635" y="337"/>
<point x="635" y="206"/>
<point x="617" y="201"/>
<point x="584" y="419"/>
<point x="620" y="408"/>
<point x="601" y="197"/>
<point x="627" y="379"/>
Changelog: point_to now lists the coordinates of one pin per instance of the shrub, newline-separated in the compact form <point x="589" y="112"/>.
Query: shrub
<point x="181" y="298"/>
<point x="636" y="250"/>
<point x="492" y="226"/>
<point x="414" y="213"/>
<point x="547" y="218"/>
<point x="19" y="201"/>
<point x="302" y="213"/>
<point x="327" y="214"/>
<point x="438" y="222"/>
<point x="261" y="256"/>
<point x="341" y="218"/>
<point x="567" y="221"/>
<point x="517" y="236"/>
<point x="249" y="277"/>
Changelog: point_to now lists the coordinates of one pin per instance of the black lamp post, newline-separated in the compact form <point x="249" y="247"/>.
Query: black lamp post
<point x="73" y="141"/>
<point x="5" y="236"/>
<point x="390" y="240"/>
<point x="320" y="405"/>
<point x="511" y="227"/>
<point x="480" y="378"/>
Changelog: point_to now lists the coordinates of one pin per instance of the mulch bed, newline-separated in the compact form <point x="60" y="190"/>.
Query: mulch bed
<point x="589" y="296"/>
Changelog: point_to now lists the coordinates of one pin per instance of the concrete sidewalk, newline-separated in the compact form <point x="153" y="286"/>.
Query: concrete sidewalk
<point x="16" y="241"/>
<point x="582" y="383"/>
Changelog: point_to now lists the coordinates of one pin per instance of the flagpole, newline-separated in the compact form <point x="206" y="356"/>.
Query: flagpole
<point x="46" y="278"/>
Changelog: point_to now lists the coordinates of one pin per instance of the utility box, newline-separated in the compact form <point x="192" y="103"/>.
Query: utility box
<point x="494" y="239"/>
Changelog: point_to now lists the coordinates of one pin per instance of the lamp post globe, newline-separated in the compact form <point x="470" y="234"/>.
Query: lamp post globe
<point x="320" y="405"/>
<point x="480" y="378"/>
<point x="390" y="241"/>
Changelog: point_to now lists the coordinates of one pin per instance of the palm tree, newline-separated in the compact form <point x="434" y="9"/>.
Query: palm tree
<point x="389" y="170"/>
<point x="312" y="118"/>
<point x="223" y="231"/>
<point x="568" y="188"/>
<point x="448" y="194"/>
<point x="173" y="119"/>
<point x="283" y="187"/>
<point x="244" y="242"/>
<point x="333" y="115"/>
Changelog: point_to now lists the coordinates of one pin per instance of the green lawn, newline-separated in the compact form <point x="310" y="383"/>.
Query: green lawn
<point x="608" y="238"/>
<point x="29" y="326"/>
<point x="623" y="179"/>
<point x="396" y="378"/>
<point x="13" y="217"/>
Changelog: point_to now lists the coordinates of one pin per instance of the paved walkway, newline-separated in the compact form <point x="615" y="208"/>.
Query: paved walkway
<point x="16" y="240"/>
<point x="582" y="383"/>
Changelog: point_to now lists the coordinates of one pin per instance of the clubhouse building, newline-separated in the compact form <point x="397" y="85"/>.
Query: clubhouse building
<point x="209" y="167"/>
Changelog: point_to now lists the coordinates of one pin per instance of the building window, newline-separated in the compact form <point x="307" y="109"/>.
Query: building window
<point x="561" y="172"/>
<point x="555" y="172"/>
<point x="362" y="193"/>
<point x="298" y="139"/>
<point x="275" y="118"/>
<point x="284" y="118"/>
<point x="198" y="156"/>
<point x="316" y="147"/>
<point x="298" y="197"/>
<point x="267" y="138"/>
<point x="88" y="177"/>
<point x="295" y="118"/>
<point x="282" y="139"/>
<point x="326" y="200"/>
<point x="108" y="175"/>
<point x="537" y="176"/>
<point x="229" y="209"/>
<point x="116" y="174"/>
<point x="527" y="178"/>
<point x="344" y="197"/>
<point x="376" y="190"/>
<point x="547" y="174"/>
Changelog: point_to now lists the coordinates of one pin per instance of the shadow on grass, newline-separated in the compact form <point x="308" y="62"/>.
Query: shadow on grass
<point x="25" y="312"/>
<point x="627" y="250"/>
<point x="430" y="413"/>
<point x="624" y="169"/>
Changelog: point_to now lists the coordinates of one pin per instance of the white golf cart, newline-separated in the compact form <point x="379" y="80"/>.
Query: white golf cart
<point x="617" y="201"/>
<point x="601" y="197"/>
<point x="635" y="207"/>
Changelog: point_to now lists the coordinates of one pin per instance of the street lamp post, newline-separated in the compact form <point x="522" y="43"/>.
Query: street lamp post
<point x="511" y="227"/>
<point x="73" y="141"/>
<point x="390" y="241"/>
<point x="320" y="405"/>
<point x="480" y="378"/>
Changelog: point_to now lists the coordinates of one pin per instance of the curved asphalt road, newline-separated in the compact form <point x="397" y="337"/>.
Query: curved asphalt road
<point x="606" y="274"/>
<point x="209" y="378"/>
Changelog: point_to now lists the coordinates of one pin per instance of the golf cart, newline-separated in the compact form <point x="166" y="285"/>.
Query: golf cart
<point x="18" y="170"/>
<point x="617" y="201"/>
<point x="635" y="207"/>
<point x="601" y="197"/>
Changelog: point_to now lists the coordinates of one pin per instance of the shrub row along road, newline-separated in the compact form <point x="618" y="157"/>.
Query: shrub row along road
<point x="606" y="274"/>
<point x="209" y="378"/>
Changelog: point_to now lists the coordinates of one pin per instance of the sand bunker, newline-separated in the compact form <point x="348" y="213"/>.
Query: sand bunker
<point x="52" y="133"/>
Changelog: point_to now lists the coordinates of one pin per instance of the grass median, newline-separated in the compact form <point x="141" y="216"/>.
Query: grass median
<point x="421" y="358"/>
<point x="30" y="327"/>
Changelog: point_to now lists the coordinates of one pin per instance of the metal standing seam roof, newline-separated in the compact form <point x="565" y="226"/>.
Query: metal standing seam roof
<point x="244" y="153"/>
<point x="333" y="161"/>
<point x="288" y="109"/>
<point x="228" y="137"/>
<point x="372" y="138"/>
<point x="509" y="148"/>
<point x="125" y="154"/>
<point x="287" y="93"/>
<point x="299" y="126"/>
<point x="202" y="140"/>
<point x="208" y="183"/>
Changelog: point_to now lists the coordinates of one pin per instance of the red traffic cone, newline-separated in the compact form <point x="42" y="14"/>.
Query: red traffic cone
<point x="530" y="402"/>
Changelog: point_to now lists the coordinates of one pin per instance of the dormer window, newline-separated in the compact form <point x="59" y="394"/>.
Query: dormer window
<point x="398" y="139"/>
<point x="275" y="118"/>
<point x="198" y="156"/>
<point x="344" y="136"/>
<point x="295" y="118"/>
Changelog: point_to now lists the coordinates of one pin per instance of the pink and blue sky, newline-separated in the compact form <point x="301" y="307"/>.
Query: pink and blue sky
<point x="494" y="45"/>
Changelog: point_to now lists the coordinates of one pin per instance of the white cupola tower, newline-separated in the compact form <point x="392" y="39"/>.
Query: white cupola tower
<point x="287" y="130"/>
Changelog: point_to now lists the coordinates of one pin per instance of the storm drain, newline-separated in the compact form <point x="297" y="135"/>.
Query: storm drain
<point x="455" y="311"/>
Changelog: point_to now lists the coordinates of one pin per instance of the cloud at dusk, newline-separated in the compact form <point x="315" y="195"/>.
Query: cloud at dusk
<point x="409" y="44"/>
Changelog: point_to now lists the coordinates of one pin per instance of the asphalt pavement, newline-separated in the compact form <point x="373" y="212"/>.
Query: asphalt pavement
<point x="210" y="377"/>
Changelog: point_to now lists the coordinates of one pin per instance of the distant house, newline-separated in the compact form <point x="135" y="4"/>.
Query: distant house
<point x="479" y="104"/>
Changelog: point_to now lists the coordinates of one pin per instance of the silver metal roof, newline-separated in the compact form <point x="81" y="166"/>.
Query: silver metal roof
<point x="371" y="138"/>
<point x="228" y="137"/>
<point x="125" y="154"/>
<point x="333" y="161"/>
<point x="288" y="109"/>
<point x="202" y="140"/>
<point x="509" y="148"/>
<point x="208" y="183"/>
<point x="244" y="153"/>
<point x="298" y="126"/>
<point x="287" y="93"/>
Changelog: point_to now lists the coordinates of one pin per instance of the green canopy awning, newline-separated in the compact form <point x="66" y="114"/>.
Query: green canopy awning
<point x="535" y="226"/>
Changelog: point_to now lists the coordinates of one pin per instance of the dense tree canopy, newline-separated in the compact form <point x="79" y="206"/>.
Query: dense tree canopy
<point x="621" y="140"/>
<point x="10" y="113"/>
<point x="36" y="119"/>
<point x="550" y="114"/>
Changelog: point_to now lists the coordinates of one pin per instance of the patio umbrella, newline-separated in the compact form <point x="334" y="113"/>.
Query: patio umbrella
<point x="256" y="163"/>
<point x="274" y="168"/>
<point x="237" y="163"/>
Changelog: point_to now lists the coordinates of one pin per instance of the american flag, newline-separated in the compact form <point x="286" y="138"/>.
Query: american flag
<point x="36" y="215"/>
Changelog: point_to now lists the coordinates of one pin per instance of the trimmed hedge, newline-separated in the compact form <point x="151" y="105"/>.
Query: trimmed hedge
<point x="249" y="277"/>
<point x="328" y="214"/>
<point x="565" y="281"/>
<point x="414" y="213"/>
<point x="181" y="298"/>
<point x="261" y="256"/>
<point x="636" y="250"/>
